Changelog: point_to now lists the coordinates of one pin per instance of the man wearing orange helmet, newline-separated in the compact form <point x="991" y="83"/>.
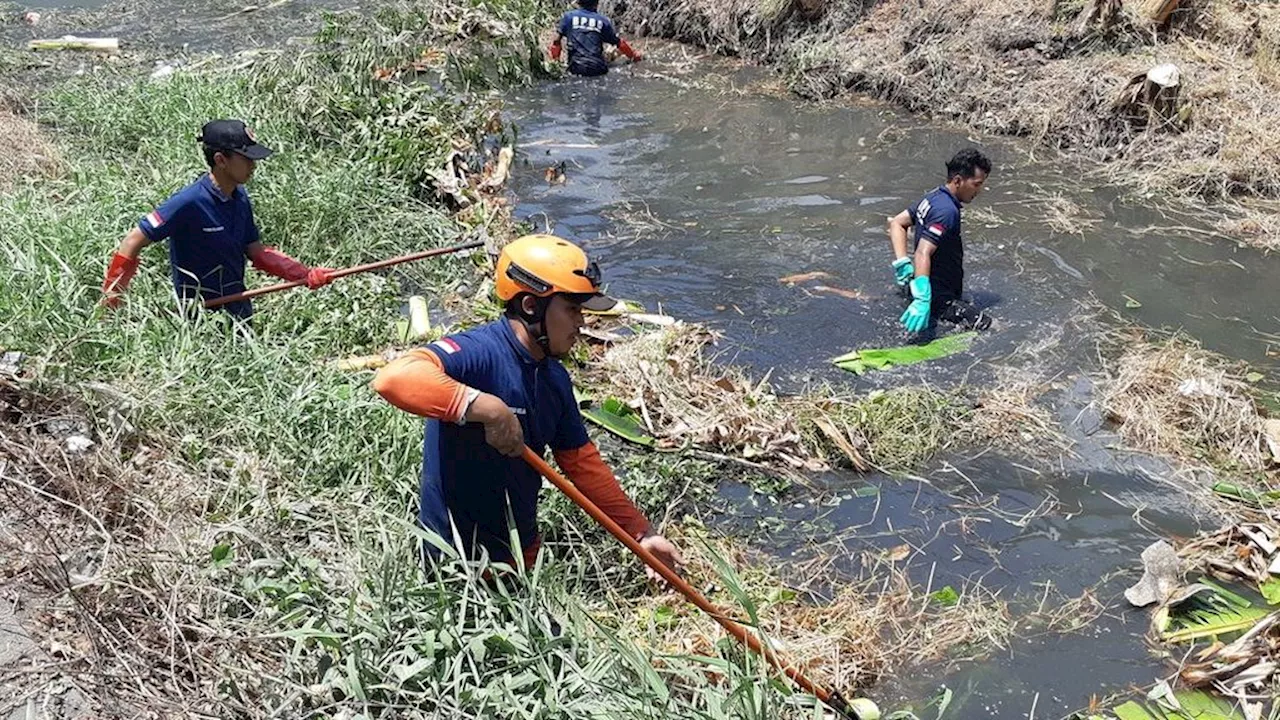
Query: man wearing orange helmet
<point x="488" y="392"/>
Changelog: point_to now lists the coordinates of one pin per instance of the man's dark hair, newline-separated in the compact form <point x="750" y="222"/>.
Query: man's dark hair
<point x="589" y="4"/>
<point x="209" y="153"/>
<point x="966" y="163"/>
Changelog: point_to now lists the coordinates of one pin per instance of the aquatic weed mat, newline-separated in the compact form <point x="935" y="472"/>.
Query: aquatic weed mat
<point x="851" y="636"/>
<point x="685" y="393"/>
<point x="1167" y="395"/>
<point x="675" y="389"/>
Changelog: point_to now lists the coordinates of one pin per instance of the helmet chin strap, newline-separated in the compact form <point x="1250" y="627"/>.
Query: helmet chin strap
<point x="536" y="323"/>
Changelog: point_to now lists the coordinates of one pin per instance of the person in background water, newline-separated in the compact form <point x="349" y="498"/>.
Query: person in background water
<point x="585" y="32"/>
<point x="935" y="274"/>
<point x="488" y="392"/>
<point x="210" y="228"/>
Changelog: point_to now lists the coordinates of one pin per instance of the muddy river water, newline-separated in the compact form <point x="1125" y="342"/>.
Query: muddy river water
<point x="698" y="188"/>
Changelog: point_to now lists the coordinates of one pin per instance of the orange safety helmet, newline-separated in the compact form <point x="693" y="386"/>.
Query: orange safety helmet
<point x="544" y="265"/>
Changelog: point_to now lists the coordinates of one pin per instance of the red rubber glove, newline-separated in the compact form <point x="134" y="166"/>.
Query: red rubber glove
<point x="627" y="50"/>
<point x="274" y="262"/>
<point x="119" y="272"/>
<point x="555" y="50"/>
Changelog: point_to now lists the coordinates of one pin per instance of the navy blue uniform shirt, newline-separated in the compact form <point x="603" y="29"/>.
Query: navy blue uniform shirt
<point x="208" y="235"/>
<point x="585" y="33"/>
<point x="461" y="473"/>
<point x="937" y="220"/>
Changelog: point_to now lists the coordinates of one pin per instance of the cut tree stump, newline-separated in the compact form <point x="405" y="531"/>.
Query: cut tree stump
<point x="1151" y="99"/>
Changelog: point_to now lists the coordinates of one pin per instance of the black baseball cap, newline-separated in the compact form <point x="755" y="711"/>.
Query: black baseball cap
<point x="232" y="136"/>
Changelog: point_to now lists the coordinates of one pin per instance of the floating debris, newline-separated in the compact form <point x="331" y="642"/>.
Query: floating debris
<point x="614" y="415"/>
<point x="1161" y="573"/>
<point x="555" y="174"/>
<point x="71" y="42"/>
<point x="1242" y="659"/>
<point x="806" y="277"/>
<point x="1171" y="397"/>
<point x="850" y="294"/>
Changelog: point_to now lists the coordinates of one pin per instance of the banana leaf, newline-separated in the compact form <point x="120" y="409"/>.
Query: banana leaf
<point x="1271" y="590"/>
<point x="1211" y="613"/>
<point x="861" y="361"/>
<point x="614" y="415"/>
<point x="1236" y="492"/>
<point x="1192" y="704"/>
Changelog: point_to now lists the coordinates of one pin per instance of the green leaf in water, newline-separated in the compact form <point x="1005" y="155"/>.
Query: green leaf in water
<point x="781" y="595"/>
<point x="1245" y="494"/>
<point x="947" y="597"/>
<point x="1211" y="613"/>
<point x="1191" y="705"/>
<point x="1254" y="377"/>
<point x="1130" y="303"/>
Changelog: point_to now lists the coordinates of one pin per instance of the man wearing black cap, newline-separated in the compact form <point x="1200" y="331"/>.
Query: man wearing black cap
<point x="210" y="228"/>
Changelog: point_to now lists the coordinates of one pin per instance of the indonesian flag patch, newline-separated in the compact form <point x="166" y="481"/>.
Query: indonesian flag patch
<point x="937" y="229"/>
<point x="447" y="345"/>
<point x="154" y="219"/>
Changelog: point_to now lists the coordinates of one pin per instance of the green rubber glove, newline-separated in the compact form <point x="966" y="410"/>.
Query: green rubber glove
<point x="916" y="318"/>
<point x="903" y="271"/>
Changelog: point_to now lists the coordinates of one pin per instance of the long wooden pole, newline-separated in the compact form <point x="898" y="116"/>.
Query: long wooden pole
<point x="831" y="699"/>
<point x="216" y="302"/>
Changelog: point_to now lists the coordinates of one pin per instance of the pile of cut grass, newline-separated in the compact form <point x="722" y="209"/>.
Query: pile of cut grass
<point x="25" y="153"/>
<point x="685" y="397"/>
<point x="1169" y="396"/>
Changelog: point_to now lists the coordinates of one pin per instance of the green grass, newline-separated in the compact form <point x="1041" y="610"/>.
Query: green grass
<point x="288" y="485"/>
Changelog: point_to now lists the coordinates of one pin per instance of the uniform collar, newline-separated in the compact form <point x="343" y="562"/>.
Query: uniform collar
<point x="521" y="351"/>
<point x="207" y="182"/>
<point x="947" y="190"/>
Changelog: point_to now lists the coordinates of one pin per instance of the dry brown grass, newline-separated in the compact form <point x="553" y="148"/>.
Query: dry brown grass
<point x="24" y="151"/>
<point x="1171" y="397"/>
<point x="94" y="547"/>
<point x="865" y="630"/>
<point x="685" y="396"/>
<point x="1009" y="417"/>
<point x="1253" y="223"/>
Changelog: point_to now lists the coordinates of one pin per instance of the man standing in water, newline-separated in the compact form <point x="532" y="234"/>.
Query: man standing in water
<point x="489" y="392"/>
<point x="586" y="32"/>
<point x="210" y="228"/>
<point x="935" y="274"/>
